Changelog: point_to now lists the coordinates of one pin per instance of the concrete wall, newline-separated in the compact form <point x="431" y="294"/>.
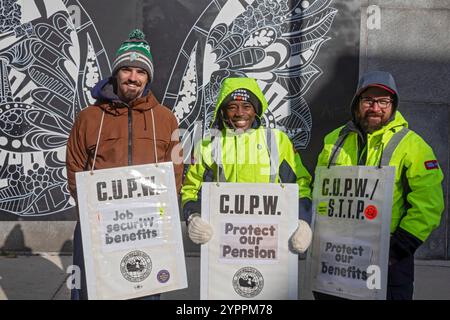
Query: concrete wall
<point x="412" y="43"/>
<point x="36" y="236"/>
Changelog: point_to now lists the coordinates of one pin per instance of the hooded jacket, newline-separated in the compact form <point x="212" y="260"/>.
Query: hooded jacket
<point x="244" y="157"/>
<point x="418" y="200"/>
<point x="127" y="135"/>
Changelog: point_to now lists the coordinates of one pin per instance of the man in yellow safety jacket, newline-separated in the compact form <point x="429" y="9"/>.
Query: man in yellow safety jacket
<point x="379" y="135"/>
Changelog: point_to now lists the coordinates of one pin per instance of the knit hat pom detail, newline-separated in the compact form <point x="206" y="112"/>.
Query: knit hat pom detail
<point x="136" y="34"/>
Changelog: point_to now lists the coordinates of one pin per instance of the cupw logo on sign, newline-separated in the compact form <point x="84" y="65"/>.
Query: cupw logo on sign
<point x="431" y="164"/>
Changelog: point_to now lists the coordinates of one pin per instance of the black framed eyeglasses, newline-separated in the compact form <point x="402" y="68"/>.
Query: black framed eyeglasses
<point x="383" y="103"/>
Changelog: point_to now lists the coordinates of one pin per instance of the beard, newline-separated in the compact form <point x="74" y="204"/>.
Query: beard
<point x="127" y="94"/>
<point x="368" y="123"/>
<point x="130" y="95"/>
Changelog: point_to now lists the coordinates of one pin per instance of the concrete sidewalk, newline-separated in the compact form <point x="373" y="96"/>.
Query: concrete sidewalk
<point x="43" y="277"/>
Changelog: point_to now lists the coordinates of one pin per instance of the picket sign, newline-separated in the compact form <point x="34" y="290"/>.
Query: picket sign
<point x="131" y="231"/>
<point x="352" y="208"/>
<point x="248" y="256"/>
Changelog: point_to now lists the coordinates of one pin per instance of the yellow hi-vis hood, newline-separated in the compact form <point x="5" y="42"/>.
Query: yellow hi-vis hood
<point x="231" y="84"/>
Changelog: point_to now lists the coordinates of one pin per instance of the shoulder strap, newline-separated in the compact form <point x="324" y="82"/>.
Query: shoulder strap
<point x="337" y="147"/>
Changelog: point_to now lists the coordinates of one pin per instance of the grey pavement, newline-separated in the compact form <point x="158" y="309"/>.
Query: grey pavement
<point x="43" y="277"/>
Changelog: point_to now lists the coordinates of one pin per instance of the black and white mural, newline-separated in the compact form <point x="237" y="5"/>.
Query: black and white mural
<point x="52" y="52"/>
<point x="50" y="57"/>
<point x="274" y="41"/>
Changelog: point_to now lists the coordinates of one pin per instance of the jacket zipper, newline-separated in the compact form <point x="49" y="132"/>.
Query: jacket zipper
<point x="236" y="158"/>
<point x="130" y="135"/>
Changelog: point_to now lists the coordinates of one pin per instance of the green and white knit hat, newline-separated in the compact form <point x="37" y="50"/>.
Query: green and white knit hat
<point x="134" y="52"/>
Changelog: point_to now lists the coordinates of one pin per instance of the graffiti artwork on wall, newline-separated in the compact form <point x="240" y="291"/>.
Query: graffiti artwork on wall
<point x="50" y="57"/>
<point x="274" y="41"/>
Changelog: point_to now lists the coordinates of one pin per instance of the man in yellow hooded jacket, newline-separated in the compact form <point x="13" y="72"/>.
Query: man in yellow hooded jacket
<point x="241" y="150"/>
<point x="379" y="135"/>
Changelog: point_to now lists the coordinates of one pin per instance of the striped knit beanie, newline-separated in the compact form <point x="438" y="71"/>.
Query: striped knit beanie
<point x="243" y="95"/>
<point x="134" y="52"/>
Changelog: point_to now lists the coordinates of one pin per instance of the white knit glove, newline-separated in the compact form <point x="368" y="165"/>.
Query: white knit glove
<point x="199" y="230"/>
<point x="301" y="238"/>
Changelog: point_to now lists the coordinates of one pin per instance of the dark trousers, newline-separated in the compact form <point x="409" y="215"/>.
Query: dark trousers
<point x="400" y="284"/>
<point x="78" y="260"/>
<point x="401" y="280"/>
